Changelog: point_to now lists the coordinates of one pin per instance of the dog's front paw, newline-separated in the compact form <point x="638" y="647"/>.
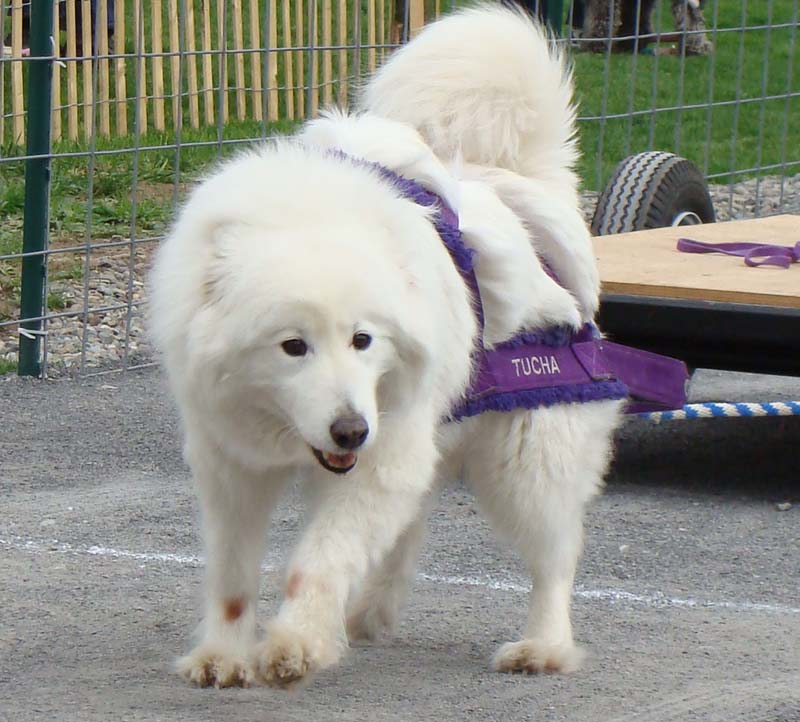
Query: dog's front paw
<point x="532" y="656"/>
<point x="206" y="666"/>
<point x="290" y="655"/>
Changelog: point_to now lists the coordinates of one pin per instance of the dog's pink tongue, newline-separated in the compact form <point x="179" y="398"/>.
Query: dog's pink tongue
<point x="340" y="460"/>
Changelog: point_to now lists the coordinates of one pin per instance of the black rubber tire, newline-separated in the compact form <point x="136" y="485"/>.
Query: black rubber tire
<point x="649" y="190"/>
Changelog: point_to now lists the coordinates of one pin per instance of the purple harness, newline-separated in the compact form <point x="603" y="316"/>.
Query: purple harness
<point x="553" y="366"/>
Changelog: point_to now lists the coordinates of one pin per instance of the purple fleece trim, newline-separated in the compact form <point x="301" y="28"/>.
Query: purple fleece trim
<point x="553" y="336"/>
<point x="445" y="220"/>
<point x="576" y="393"/>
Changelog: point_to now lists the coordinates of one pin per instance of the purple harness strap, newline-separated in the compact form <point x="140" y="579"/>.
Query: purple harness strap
<point x="655" y="382"/>
<point x="524" y="373"/>
<point x="769" y="255"/>
<point x="527" y="374"/>
<point x="552" y="366"/>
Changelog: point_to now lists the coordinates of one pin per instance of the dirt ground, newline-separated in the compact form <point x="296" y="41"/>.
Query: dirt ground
<point x="688" y="596"/>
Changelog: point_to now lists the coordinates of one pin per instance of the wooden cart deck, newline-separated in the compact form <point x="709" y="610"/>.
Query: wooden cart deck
<point x="711" y="310"/>
<point x="646" y="263"/>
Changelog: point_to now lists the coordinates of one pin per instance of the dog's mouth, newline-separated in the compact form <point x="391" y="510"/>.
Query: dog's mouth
<point x="337" y="463"/>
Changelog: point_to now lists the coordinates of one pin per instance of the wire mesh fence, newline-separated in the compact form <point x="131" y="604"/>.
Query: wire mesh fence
<point x="146" y="96"/>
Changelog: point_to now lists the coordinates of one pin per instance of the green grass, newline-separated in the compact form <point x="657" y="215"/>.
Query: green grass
<point x="56" y="301"/>
<point x="718" y="140"/>
<point x="7" y="367"/>
<point x="109" y="179"/>
<point x="10" y="242"/>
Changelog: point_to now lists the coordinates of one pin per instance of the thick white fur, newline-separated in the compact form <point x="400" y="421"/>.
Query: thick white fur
<point x="486" y="87"/>
<point x="291" y="241"/>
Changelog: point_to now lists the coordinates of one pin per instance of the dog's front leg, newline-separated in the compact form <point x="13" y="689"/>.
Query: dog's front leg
<point x="236" y="506"/>
<point x="356" y="521"/>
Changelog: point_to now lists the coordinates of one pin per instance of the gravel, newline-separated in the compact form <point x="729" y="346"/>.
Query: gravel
<point x="113" y="333"/>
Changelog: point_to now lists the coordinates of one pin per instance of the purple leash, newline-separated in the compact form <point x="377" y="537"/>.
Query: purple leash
<point x="754" y="254"/>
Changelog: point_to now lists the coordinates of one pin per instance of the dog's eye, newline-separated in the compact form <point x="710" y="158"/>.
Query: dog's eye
<point x="295" y="347"/>
<point x="361" y="341"/>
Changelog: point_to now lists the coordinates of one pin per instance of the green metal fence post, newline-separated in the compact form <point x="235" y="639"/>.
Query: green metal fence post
<point x="37" y="187"/>
<point x="555" y="15"/>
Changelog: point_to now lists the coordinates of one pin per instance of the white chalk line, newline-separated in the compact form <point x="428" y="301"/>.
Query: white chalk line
<point x="656" y="600"/>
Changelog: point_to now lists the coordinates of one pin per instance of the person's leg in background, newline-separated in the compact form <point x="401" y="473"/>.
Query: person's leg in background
<point x="636" y="25"/>
<point x="602" y="20"/>
<point x="577" y="15"/>
<point x="688" y="16"/>
<point x="62" y="17"/>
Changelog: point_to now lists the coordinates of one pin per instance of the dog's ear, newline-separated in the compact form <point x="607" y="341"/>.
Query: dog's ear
<point x="220" y="239"/>
<point x="411" y="375"/>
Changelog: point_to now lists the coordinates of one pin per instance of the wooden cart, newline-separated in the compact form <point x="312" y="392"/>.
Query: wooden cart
<point x="711" y="311"/>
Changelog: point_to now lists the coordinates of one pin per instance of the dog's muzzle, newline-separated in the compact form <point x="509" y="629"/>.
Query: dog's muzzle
<point x="348" y="432"/>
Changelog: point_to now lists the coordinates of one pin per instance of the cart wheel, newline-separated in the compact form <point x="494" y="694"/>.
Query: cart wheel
<point x="652" y="190"/>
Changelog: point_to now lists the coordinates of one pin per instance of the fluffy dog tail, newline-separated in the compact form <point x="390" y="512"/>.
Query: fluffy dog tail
<point x="486" y="85"/>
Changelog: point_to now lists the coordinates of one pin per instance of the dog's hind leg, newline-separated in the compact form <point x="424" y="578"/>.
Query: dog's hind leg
<point x="377" y="605"/>
<point x="557" y="230"/>
<point x="533" y="472"/>
<point x="236" y="506"/>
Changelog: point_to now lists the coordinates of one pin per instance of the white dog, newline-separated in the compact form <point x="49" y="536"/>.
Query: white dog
<point x="315" y="328"/>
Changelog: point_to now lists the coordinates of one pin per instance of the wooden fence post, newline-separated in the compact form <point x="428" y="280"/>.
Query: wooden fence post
<point x="327" y="54"/>
<point x="342" y="34"/>
<point x="103" y="92"/>
<point x="157" y="46"/>
<point x="208" y="70"/>
<point x="238" y="60"/>
<point x="72" y="72"/>
<point x="120" y="81"/>
<point x="56" y="106"/>
<point x="288" y="60"/>
<point x="255" y="61"/>
<point x="300" y="57"/>
<point x="86" y="68"/>
<point x="17" y="92"/>
<point x="416" y="16"/>
<point x="175" y="62"/>
<point x="272" y="61"/>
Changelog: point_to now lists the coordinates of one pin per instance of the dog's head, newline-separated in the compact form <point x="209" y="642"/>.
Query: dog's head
<point x="315" y="324"/>
<point x="312" y="339"/>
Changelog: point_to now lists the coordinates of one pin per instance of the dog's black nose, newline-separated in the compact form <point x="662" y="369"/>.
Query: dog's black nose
<point x="350" y="431"/>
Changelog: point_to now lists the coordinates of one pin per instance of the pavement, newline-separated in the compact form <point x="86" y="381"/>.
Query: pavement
<point x="687" y="598"/>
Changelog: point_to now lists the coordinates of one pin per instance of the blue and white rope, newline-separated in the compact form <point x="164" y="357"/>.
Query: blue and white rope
<point x="713" y="409"/>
